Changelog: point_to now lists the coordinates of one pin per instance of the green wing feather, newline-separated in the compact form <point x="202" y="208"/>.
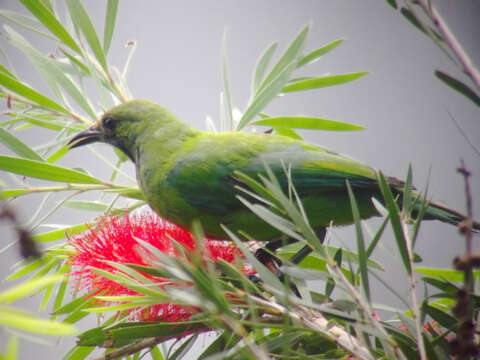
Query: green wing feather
<point x="204" y="176"/>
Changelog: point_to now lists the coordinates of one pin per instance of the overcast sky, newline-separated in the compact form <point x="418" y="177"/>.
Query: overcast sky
<point x="404" y="108"/>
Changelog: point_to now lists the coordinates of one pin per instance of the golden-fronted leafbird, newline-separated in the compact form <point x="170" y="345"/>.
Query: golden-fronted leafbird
<point x="186" y="174"/>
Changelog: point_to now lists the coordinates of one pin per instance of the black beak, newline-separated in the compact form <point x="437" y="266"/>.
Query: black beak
<point x="88" y="136"/>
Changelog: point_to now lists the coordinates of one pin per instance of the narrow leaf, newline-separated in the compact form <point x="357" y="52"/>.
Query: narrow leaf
<point x="28" y="288"/>
<point x="261" y="67"/>
<point x="110" y="18"/>
<point x="17" y="146"/>
<point x="265" y="274"/>
<point x="394" y="213"/>
<point x="81" y="19"/>
<point x="362" y="255"/>
<point x="316" y="54"/>
<point x="288" y="132"/>
<point x="41" y="170"/>
<point x="459" y="86"/>
<point x="303" y="122"/>
<point x="29" y="323"/>
<point x="226" y="84"/>
<point x="61" y="233"/>
<point x="28" y="93"/>
<point x="407" y="192"/>
<point x="47" y="18"/>
<point x="26" y="22"/>
<point x="265" y="95"/>
<point x="445" y="274"/>
<point x="321" y="82"/>
<point x="290" y="56"/>
<point x="51" y="71"/>
<point x="392" y="3"/>
<point x="87" y="205"/>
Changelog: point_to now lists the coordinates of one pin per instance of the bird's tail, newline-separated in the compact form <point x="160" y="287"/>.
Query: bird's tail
<point x="445" y="214"/>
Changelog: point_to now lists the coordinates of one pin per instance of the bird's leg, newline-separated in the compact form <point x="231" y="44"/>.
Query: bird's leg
<point x="304" y="251"/>
<point x="266" y="254"/>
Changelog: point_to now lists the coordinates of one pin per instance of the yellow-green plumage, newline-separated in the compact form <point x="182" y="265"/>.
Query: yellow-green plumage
<point x="186" y="174"/>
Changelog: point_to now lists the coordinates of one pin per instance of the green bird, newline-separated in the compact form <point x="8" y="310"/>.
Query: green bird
<point x="186" y="174"/>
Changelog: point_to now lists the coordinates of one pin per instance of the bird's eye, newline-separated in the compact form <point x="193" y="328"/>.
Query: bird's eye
<point x="109" y="123"/>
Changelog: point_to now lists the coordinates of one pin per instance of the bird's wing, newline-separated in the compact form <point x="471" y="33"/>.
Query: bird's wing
<point x="205" y="177"/>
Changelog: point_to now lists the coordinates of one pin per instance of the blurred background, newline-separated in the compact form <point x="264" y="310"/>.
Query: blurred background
<point x="406" y="110"/>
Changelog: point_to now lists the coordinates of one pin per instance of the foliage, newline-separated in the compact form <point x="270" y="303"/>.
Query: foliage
<point x="253" y="317"/>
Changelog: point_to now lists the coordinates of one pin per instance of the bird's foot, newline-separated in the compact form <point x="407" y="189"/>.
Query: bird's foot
<point x="272" y="263"/>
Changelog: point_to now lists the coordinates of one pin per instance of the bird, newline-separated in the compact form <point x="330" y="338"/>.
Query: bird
<point x="186" y="174"/>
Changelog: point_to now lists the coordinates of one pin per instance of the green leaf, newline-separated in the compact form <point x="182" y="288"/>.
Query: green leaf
<point x="445" y="274"/>
<point x="265" y="95"/>
<point x="265" y="274"/>
<point x="17" y="146"/>
<point x="290" y="56"/>
<point x="288" y="132"/>
<point x="261" y="67"/>
<point x="3" y="69"/>
<point x="392" y="3"/>
<point x="129" y="332"/>
<point x="81" y="19"/>
<point x="27" y="266"/>
<point x="12" y="349"/>
<point x="316" y="54"/>
<point x="51" y="71"/>
<point x="60" y="233"/>
<point x="156" y="354"/>
<point x="87" y="205"/>
<point x="226" y="85"/>
<point x="330" y="283"/>
<point x="26" y="322"/>
<point x="362" y="255"/>
<point x="413" y="19"/>
<point x="57" y="155"/>
<point x="25" y="21"/>
<point x="407" y="192"/>
<point x="278" y="222"/>
<point x="29" y="94"/>
<point x="376" y="237"/>
<point x="224" y="341"/>
<point x="444" y="319"/>
<point x="459" y="86"/>
<point x="347" y="256"/>
<point x="304" y="122"/>
<point x="79" y="353"/>
<point x="28" y="288"/>
<point x="47" y="18"/>
<point x="41" y="170"/>
<point x="321" y="82"/>
<point x="110" y="18"/>
<point x="394" y="213"/>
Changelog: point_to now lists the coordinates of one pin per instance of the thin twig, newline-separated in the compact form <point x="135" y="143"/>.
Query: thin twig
<point x="464" y="134"/>
<point x="466" y="63"/>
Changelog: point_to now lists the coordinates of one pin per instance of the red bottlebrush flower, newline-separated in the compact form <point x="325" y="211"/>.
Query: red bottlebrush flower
<point x="115" y="239"/>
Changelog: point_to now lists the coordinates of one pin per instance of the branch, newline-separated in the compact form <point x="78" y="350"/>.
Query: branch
<point x="466" y="63"/>
<point x="131" y="349"/>
<point x="317" y="322"/>
<point x="464" y="347"/>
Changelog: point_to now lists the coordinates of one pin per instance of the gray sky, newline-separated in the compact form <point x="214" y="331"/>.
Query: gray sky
<point x="404" y="108"/>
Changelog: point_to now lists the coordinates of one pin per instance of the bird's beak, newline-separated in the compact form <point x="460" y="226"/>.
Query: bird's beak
<point x="88" y="136"/>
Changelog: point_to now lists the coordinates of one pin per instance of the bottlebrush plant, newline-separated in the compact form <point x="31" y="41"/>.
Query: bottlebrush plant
<point x="155" y="287"/>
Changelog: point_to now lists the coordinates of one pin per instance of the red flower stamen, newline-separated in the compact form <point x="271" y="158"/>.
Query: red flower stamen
<point x="114" y="239"/>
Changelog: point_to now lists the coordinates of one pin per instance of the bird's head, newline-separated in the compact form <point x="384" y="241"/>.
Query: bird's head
<point x="124" y="126"/>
